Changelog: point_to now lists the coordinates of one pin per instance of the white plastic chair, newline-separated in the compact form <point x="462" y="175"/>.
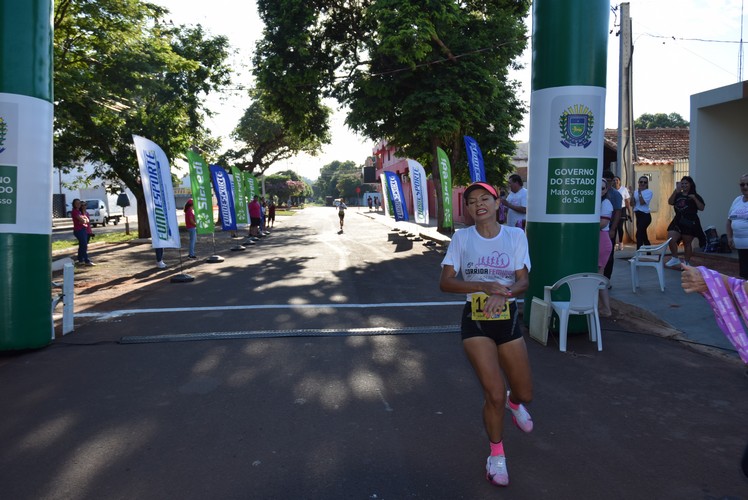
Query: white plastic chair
<point x="584" y="288"/>
<point x="649" y="256"/>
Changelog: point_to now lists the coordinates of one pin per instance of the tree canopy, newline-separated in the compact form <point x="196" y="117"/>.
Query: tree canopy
<point x="339" y="179"/>
<point x="418" y="76"/>
<point x="660" y="120"/>
<point x="121" y="69"/>
<point x="264" y="140"/>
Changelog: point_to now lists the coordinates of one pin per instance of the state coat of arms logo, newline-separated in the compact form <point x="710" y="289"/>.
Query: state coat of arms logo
<point x="3" y="133"/>
<point x="576" y="124"/>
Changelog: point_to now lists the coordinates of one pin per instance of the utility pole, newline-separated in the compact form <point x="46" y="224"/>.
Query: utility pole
<point x="626" y="146"/>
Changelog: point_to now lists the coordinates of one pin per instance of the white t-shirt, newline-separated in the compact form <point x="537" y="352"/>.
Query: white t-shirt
<point x="517" y="199"/>
<point x="606" y="210"/>
<point x="738" y="216"/>
<point x="493" y="260"/>
<point x="647" y="195"/>
<point x="624" y="195"/>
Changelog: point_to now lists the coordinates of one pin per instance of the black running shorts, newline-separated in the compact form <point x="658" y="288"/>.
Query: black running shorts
<point x="500" y="331"/>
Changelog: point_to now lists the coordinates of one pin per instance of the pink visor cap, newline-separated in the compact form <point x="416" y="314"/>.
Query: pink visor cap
<point x="482" y="185"/>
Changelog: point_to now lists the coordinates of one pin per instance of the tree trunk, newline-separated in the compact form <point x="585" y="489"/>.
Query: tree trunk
<point x="144" y="227"/>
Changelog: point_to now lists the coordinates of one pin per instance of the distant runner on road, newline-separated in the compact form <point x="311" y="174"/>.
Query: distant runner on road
<point x="341" y="212"/>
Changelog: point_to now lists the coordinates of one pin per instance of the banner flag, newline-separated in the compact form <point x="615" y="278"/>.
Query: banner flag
<point x="445" y="173"/>
<point x="395" y="188"/>
<point x="155" y="176"/>
<point x="222" y="186"/>
<point x="386" y="198"/>
<point x="240" y="197"/>
<point x="250" y="186"/>
<point x="419" y="186"/>
<point x="475" y="160"/>
<point x="202" y="195"/>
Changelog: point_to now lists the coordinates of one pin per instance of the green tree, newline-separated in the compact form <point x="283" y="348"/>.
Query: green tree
<point x="120" y="70"/>
<point x="330" y="176"/>
<point x="347" y="184"/>
<point x="264" y="140"/>
<point x="420" y="76"/>
<point x="292" y="68"/>
<point x="660" y="120"/>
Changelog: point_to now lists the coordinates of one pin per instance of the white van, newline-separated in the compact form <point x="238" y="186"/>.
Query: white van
<point x="97" y="212"/>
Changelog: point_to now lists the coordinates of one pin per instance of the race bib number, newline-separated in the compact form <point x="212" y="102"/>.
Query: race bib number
<point x="478" y="302"/>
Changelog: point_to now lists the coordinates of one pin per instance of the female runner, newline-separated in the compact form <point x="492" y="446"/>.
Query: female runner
<point x="494" y="264"/>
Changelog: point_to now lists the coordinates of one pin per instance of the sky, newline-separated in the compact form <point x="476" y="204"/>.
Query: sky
<point x="681" y="47"/>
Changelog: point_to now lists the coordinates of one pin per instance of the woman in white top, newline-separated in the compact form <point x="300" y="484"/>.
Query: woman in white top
<point x="625" y="208"/>
<point x="494" y="264"/>
<point x="606" y="244"/>
<point x="737" y="226"/>
<point x="640" y="201"/>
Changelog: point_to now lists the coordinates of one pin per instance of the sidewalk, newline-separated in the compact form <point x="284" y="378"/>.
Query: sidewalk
<point x="673" y="313"/>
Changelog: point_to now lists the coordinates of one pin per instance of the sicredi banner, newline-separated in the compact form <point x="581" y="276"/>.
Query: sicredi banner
<point x="568" y="155"/>
<point x="250" y="186"/>
<point x="395" y="188"/>
<point x="155" y="176"/>
<point x="202" y="196"/>
<point x="240" y="197"/>
<point x="445" y="173"/>
<point x="225" y="197"/>
<point x="419" y="186"/>
<point x="25" y="164"/>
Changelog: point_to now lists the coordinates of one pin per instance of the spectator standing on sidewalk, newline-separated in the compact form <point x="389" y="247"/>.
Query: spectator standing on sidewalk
<point x="605" y="244"/>
<point x="191" y="223"/>
<point x="263" y="215"/>
<point x="625" y="209"/>
<point x="80" y="230"/>
<point x="641" y="200"/>
<point x="255" y="218"/>
<point x="617" y="201"/>
<point x="491" y="334"/>
<point x="271" y="213"/>
<point x="89" y="229"/>
<point x="160" y="258"/>
<point x="685" y="225"/>
<point x="737" y="226"/>
<point x="516" y="202"/>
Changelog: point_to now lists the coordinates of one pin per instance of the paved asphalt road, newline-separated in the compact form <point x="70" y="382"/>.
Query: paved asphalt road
<point x="304" y="402"/>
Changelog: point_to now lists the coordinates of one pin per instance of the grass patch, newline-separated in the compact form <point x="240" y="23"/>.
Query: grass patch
<point x="285" y="212"/>
<point x="118" y="237"/>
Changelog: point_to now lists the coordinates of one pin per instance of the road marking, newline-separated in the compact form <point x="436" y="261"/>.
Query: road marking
<point x="267" y="334"/>
<point x="160" y="310"/>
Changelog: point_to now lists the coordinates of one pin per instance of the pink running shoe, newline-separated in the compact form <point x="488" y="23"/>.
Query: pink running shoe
<point x="496" y="471"/>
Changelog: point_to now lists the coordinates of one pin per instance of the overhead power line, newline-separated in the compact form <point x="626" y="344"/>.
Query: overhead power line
<point x="686" y="39"/>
